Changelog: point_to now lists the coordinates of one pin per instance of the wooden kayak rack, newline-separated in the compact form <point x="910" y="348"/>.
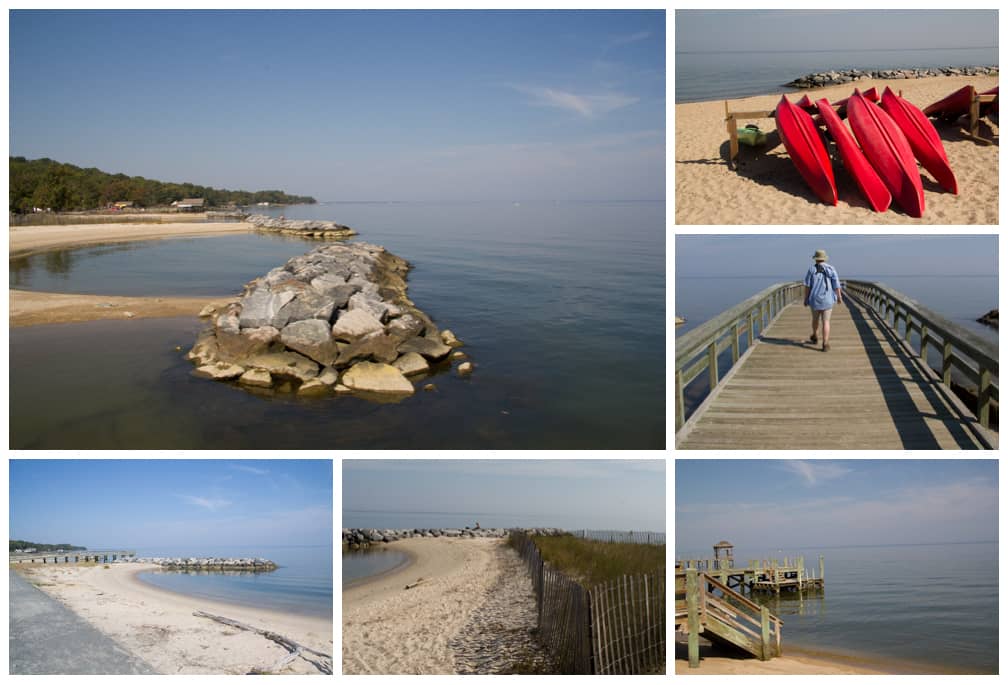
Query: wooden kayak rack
<point x="974" y="121"/>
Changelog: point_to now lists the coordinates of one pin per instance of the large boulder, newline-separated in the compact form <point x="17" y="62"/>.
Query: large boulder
<point x="286" y="365"/>
<point x="432" y="349"/>
<point x="354" y="324"/>
<point x="376" y="346"/>
<point x="377" y="378"/>
<point x="313" y="339"/>
<point x="411" y="364"/>
<point x="262" y="307"/>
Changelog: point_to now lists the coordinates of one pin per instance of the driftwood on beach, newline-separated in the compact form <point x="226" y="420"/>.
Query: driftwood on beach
<point x="323" y="664"/>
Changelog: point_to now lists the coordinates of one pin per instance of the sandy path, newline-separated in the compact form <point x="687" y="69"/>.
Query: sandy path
<point x="158" y="626"/>
<point x="30" y="308"/>
<point x="767" y="188"/>
<point x="25" y="240"/>
<point x="390" y="630"/>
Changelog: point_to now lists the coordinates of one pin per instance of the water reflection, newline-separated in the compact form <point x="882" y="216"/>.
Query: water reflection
<point x="811" y="604"/>
<point x="370" y="561"/>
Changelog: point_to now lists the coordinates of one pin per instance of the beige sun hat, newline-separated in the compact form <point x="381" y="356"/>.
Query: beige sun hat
<point x="820" y="256"/>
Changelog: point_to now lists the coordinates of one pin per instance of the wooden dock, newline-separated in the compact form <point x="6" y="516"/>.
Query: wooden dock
<point x="75" y="557"/>
<point x="761" y="575"/>
<point x="871" y="390"/>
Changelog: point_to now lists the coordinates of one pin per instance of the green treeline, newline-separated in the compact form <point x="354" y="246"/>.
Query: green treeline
<point x="24" y="544"/>
<point x="61" y="187"/>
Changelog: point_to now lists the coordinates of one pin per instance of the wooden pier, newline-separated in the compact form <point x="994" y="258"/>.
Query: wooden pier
<point x="75" y="557"/>
<point x="872" y="390"/>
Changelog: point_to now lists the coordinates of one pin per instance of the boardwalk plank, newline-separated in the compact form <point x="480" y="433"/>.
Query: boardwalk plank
<point x="866" y="392"/>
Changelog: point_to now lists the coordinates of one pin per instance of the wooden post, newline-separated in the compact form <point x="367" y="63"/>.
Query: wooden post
<point x="822" y="569"/>
<point x="764" y="633"/>
<point x="947" y="363"/>
<point x="924" y="343"/>
<point x="693" y="617"/>
<point x="984" y="397"/>
<point x="680" y="400"/>
<point x="732" y="136"/>
<point x="712" y="369"/>
<point x="735" y="343"/>
<point x="974" y="128"/>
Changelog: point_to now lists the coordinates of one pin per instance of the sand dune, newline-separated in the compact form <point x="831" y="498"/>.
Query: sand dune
<point x="767" y="188"/>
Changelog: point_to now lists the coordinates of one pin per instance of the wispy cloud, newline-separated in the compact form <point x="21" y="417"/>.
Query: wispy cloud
<point x="206" y="502"/>
<point x="584" y="104"/>
<point x="815" y="472"/>
<point x="249" y="469"/>
<point x="628" y="38"/>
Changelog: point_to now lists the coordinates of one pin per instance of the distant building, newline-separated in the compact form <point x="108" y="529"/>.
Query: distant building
<point x="192" y="204"/>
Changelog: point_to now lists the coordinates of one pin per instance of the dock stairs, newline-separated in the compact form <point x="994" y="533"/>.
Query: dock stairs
<point x="707" y="608"/>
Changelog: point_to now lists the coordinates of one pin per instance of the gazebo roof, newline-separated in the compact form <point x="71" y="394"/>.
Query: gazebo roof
<point x="724" y="543"/>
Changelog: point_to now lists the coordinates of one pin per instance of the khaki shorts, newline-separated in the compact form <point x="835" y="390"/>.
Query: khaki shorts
<point x="823" y="314"/>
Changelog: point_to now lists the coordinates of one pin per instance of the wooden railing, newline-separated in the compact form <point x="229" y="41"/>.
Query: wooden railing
<point x="705" y="604"/>
<point x="697" y="351"/>
<point x="961" y="349"/>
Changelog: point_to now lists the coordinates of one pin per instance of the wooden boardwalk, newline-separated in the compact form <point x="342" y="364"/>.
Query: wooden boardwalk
<point x="867" y="392"/>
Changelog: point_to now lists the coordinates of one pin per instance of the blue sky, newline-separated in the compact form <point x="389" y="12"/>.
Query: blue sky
<point x="714" y="30"/>
<point x="761" y="505"/>
<point x="778" y="256"/>
<point x="343" y="105"/>
<point x="596" y="494"/>
<point x="170" y="503"/>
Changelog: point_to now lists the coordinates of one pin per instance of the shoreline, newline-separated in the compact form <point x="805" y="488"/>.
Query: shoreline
<point x="411" y="559"/>
<point x="159" y="627"/>
<point x="766" y="189"/>
<point x="28" y="240"/>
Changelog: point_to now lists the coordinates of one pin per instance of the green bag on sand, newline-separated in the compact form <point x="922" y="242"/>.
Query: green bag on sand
<point x="751" y="135"/>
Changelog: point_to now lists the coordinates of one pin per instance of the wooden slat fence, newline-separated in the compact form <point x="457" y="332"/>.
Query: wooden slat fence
<point x="634" y="537"/>
<point x="614" y="628"/>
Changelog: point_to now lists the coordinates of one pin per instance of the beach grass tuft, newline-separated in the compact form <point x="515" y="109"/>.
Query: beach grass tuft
<point x="592" y="562"/>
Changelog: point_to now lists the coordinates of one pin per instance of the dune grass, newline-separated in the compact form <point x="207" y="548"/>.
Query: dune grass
<point x="592" y="562"/>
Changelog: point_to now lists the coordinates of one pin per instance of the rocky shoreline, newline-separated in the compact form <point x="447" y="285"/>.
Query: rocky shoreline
<point x="990" y="318"/>
<point x="209" y="563"/>
<point x="832" y="78"/>
<point x="357" y="538"/>
<point x="335" y="320"/>
<point x="302" y="228"/>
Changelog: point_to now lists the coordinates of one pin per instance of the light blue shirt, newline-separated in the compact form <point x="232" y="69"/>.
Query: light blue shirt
<point x="822" y="287"/>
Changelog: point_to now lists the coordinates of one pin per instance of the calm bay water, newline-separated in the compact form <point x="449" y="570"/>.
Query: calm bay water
<point x="960" y="299"/>
<point x="561" y="307"/>
<point x="302" y="584"/>
<point x="362" y="563"/>
<point x="730" y="74"/>
<point x="931" y="604"/>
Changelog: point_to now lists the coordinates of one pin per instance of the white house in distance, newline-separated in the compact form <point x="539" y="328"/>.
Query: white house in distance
<point x="191" y="204"/>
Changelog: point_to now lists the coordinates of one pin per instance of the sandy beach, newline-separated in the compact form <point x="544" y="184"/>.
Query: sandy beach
<point x="471" y="607"/>
<point x="30" y="308"/>
<point x="159" y="627"/>
<point x="767" y="188"/>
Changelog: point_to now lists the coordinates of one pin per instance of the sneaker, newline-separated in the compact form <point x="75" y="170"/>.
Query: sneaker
<point x="813" y="340"/>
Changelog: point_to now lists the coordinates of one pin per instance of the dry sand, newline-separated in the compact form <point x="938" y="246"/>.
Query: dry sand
<point x="29" y="308"/>
<point x="25" y="240"/>
<point x="159" y="627"/>
<point x="767" y="188"/>
<point x="388" y="629"/>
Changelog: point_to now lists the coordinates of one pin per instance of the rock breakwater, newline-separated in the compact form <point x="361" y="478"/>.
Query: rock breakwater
<point x="303" y="228"/>
<point x="832" y="78"/>
<point x="209" y="563"/>
<point x="336" y="319"/>
<point x="355" y="538"/>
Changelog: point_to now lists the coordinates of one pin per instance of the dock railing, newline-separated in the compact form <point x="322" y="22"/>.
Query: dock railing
<point x="704" y="604"/>
<point x="697" y="351"/>
<point x="959" y="348"/>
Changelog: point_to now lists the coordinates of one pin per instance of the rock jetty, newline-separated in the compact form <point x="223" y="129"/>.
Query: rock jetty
<point x="335" y="320"/>
<point x="990" y="318"/>
<point x="303" y="228"/>
<point x="832" y="78"/>
<point x="209" y="563"/>
<point x="355" y="538"/>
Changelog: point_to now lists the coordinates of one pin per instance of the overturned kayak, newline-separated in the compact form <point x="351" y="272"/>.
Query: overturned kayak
<point x="887" y="149"/>
<point x="867" y="179"/>
<point x="806" y="150"/>
<point x="951" y="106"/>
<point x="923" y="138"/>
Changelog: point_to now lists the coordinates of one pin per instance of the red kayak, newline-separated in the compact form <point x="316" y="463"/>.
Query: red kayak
<point x="923" y="138"/>
<point x="990" y="106"/>
<point x="854" y="160"/>
<point x="951" y="106"/>
<point x="887" y="149"/>
<point x="806" y="149"/>
<point x="870" y="94"/>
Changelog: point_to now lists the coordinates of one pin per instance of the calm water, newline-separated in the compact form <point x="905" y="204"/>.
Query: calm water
<point x="302" y="584"/>
<point x="960" y="299"/>
<point x="361" y="563"/>
<point x="726" y="74"/>
<point x="933" y="604"/>
<point x="561" y="307"/>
